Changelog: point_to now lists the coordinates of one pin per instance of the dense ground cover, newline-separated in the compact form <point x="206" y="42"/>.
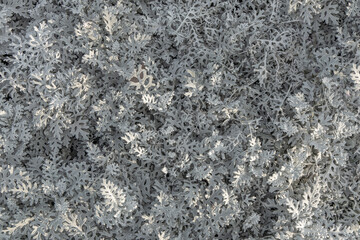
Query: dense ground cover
<point x="201" y="119"/>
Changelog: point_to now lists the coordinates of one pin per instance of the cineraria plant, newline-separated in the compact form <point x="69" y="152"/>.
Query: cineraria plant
<point x="199" y="119"/>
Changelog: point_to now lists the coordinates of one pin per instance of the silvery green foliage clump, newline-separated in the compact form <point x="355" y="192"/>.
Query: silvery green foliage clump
<point x="201" y="119"/>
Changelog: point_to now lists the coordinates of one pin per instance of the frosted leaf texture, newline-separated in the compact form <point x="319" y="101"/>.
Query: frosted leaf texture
<point x="198" y="119"/>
